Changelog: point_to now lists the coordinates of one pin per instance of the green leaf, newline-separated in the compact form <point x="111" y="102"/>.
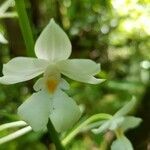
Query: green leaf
<point x="121" y="144"/>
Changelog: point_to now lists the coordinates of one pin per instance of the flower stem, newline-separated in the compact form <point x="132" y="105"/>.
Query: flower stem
<point x="119" y="133"/>
<point x="15" y="135"/>
<point x="5" y="5"/>
<point x="8" y="15"/>
<point x="54" y="136"/>
<point x="12" y="125"/>
<point x="25" y="27"/>
<point x="93" y="118"/>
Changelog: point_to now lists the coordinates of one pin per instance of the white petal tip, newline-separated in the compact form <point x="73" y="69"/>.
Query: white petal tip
<point x="3" y="81"/>
<point x="95" y="131"/>
<point x="52" y="20"/>
<point x="102" y="80"/>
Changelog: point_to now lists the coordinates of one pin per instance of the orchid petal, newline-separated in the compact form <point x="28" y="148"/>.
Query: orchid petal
<point x="53" y="44"/>
<point x="130" y="122"/>
<point x="121" y="143"/>
<point x="64" y="85"/>
<point x="82" y="70"/>
<point x="111" y="124"/>
<point x="126" y="108"/>
<point x="39" y="84"/>
<point x="21" y="69"/>
<point x="116" y="123"/>
<point x="65" y="111"/>
<point x="2" y="39"/>
<point x="35" y="110"/>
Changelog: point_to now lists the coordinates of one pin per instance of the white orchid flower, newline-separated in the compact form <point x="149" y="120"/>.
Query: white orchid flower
<point x="52" y="49"/>
<point x="120" y="119"/>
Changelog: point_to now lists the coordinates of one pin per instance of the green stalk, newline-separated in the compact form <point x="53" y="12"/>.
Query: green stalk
<point x="28" y="38"/>
<point x="25" y="27"/>
<point x="15" y="135"/>
<point x="54" y="136"/>
<point x="96" y="117"/>
<point x="119" y="133"/>
<point x="8" y="15"/>
<point x="12" y="125"/>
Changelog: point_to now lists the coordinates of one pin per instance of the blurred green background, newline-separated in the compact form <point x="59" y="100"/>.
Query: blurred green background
<point x="115" y="33"/>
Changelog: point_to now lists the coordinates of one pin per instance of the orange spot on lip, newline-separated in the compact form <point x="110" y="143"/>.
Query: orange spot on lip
<point x="51" y="85"/>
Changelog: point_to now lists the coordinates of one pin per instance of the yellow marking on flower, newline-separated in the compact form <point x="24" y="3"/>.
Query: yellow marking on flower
<point x="51" y="85"/>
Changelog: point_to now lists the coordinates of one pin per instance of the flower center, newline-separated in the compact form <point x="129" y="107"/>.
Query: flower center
<point x="51" y="85"/>
<point x="52" y="78"/>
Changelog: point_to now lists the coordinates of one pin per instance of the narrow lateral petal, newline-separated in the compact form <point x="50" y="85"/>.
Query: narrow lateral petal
<point x="39" y="84"/>
<point x="35" y="110"/>
<point x="64" y="85"/>
<point x="21" y="69"/>
<point x="126" y="108"/>
<point x="53" y="44"/>
<point x="82" y="70"/>
<point x="65" y="111"/>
